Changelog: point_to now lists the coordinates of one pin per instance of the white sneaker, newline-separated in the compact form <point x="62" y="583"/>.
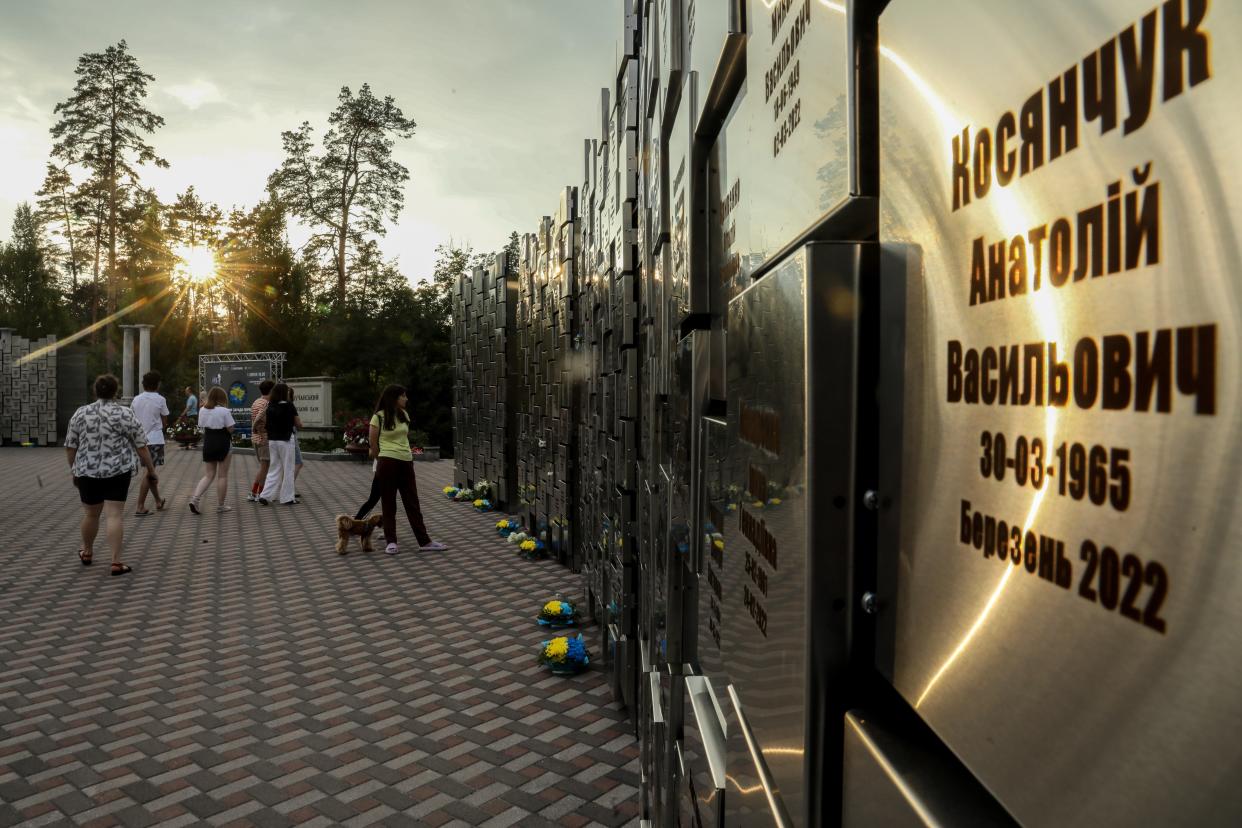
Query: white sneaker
<point x="434" y="546"/>
<point x="252" y="498"/>
<point x="390" y="549"/>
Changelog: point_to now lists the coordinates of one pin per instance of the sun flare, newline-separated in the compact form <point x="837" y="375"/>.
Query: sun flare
<point x="195" y="264"/>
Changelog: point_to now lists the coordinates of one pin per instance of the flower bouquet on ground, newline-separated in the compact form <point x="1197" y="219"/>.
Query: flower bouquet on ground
<point x="505" y="527"/>
<point x="482" y="505"/>
<point x="451" y="491"/>
<point x="565" y="656"/>
<point x="532" y="550"/>
<point x="557" y="613"/>
<point x="517" y="538"/>
<point x="464" y="496"/>
<point x="184" y="431"/>
<point x="483" y="489"/>
<point x="357" y="435"/>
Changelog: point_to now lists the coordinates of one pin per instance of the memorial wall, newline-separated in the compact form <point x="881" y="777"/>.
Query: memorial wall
<point x="28" y="389"/>
<point x="874" y="376"/>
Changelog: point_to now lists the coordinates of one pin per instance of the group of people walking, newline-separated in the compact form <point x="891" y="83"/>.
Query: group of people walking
<point x="106" y="441"/>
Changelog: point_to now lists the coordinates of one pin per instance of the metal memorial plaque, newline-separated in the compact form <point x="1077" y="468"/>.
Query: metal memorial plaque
<point x="712" y="33"/>
<point x="791" y="343"/>
<point x="671" y="60"/>
<point x="893" y="778"/>
<point x="782" y="161"/>
<point x="703" y="792"/>
<point x="682" y="226"/>
<point x="720" y="503"/>
<point x="1064" y="611"/>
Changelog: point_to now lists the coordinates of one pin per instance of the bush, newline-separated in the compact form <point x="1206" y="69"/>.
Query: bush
<point x="324" y="445"/>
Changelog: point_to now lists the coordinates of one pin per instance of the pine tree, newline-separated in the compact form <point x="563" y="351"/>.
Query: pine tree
<point x="347" y="193"/>
<point x="61" y="213"/>
<point x="29" y="298"/>
<point x="102" y="127"/>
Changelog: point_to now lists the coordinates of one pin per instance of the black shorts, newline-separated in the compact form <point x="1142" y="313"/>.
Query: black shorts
<point x="216" y="444"/>
<point x="157" y="453"/>
<point x="95" y="490"/>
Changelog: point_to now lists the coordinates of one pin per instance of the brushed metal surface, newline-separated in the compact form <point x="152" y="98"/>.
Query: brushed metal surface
<point x="764" y="632"/>
<point x="1070" y="712"/>
<point x="788" y="549"/>
<point x="720" y="497"/>
<point x="711" y="29"/>
<point x="671" y="38"/>
<point x="705" y="753"/>
<point x="782" y="159"/>
<point x="682" y="225"/>
<point x="895" y="779"/>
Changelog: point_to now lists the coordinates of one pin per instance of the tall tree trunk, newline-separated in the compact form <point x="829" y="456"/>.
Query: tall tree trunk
<point x="95" y="292"/>
<point x="73" y="258"/>
<point x="112" y="188"/>
<point x="340" y="256"/>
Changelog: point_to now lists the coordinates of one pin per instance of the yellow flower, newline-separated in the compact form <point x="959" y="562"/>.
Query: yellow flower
<point x="478" y="503"/>
<point x="557" y="648"/>
<point x="501" y="524"/>
<point x="718" y="543"/>
<point x="448" y="489"/>
<point x="528" y="546"/>
<point x="774" y="501"/>
<point x="552" y="607"/>
<point x="758" y="504"/>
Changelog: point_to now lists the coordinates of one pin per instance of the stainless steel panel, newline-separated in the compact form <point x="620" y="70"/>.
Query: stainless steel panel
<point x="895" y="778"/>
<point x="1111" y="665"/>
<point x="792" y="338"/>
<point x="782" y="160"/>
<point x="654" y="743"/>
<point x="681" y="209"/>
<point x="672" y="51"/>
<point x="703" y="756"/>
<point x="720" y="503"/>
<point x="713" y="29"/>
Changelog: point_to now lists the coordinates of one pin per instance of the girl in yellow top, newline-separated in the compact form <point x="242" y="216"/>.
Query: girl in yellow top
<point x="394" y="471"/>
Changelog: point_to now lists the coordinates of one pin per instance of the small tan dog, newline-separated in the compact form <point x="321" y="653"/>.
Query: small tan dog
<point x="346" y="526"/>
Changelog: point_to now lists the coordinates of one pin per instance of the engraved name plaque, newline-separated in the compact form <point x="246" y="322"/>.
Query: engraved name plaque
<point x="1062" y="195"/>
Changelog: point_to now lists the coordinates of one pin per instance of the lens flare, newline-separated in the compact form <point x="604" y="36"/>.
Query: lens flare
<point x="195" y="264"/>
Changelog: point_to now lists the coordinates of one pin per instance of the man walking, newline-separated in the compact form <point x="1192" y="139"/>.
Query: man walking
<point x="191" y="404"/>
<point x="258" y="438"/>
<point x="151" y="409"/>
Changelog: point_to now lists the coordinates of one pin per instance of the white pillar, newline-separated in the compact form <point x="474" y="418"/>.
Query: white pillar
<point x="127" y="365"/>
<point x="144" y="349"/>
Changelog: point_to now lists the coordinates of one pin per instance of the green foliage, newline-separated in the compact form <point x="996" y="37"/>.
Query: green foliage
<point x="347" y="192"/>
<point x="99" y="242"/>
<point x="102" y="130"/>
<point x="29" y="298"/>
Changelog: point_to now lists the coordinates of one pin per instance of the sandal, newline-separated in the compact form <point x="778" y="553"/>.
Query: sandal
<point x="160" y="504"/>
<point x="143" y="513"/>
<point x="224" y="508"/>
<point x="121" y="569"/>
<point x="194" y="507"/>
<point x="84" y="557"/>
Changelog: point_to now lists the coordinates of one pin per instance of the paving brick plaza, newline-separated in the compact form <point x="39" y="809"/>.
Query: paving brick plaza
<point x="245" y="674"/>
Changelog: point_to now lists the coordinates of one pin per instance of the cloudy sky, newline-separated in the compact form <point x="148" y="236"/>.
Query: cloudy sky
<point x="503" y="93"/>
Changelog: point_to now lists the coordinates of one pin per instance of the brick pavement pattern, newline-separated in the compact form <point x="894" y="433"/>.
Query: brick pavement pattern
<point x="246" y="674"/>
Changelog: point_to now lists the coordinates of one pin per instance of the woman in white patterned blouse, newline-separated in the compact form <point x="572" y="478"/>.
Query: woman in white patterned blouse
<point x="105" y="441"/>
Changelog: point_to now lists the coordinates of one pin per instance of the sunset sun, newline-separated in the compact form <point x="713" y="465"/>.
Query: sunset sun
<point x="195" y="264"/>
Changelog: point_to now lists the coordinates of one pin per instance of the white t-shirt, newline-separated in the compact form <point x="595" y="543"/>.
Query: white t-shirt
<point x="149" y="407"/>
<point x="218" y="417"/>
